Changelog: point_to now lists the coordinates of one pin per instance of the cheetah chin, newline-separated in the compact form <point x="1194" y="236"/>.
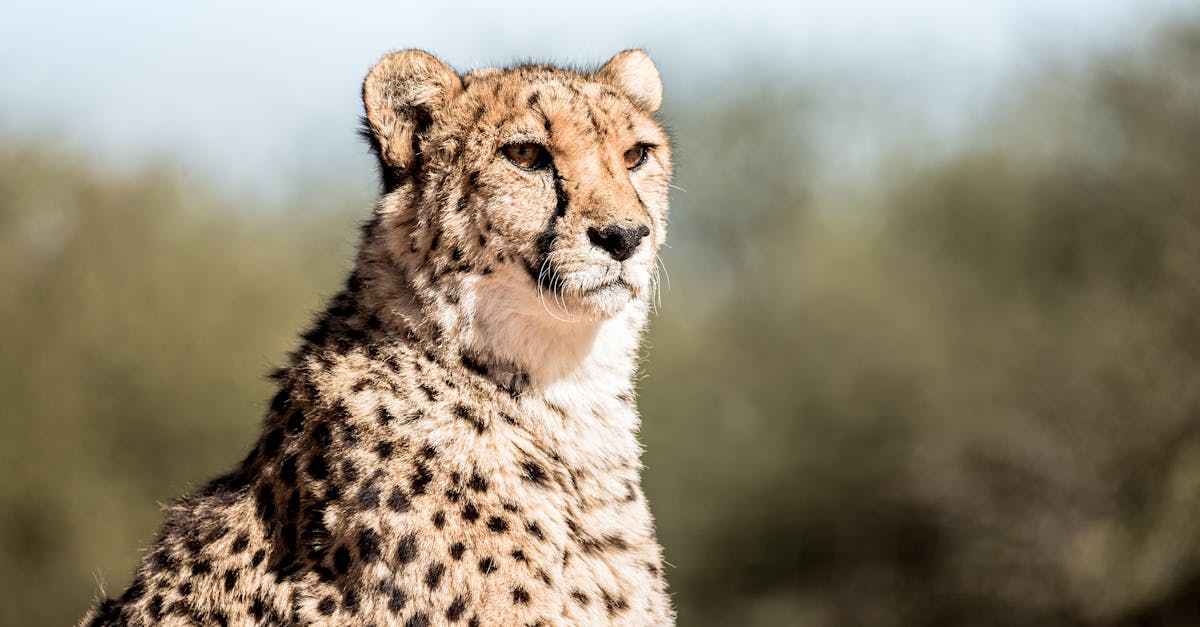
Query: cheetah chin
<point x="455" y="440"/>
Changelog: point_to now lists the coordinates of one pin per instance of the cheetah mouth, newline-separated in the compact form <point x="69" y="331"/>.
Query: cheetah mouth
<point x="579" y="291"/>
<point x="607" y="288"/>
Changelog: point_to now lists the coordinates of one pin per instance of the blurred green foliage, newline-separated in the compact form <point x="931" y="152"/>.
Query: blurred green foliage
<point x="964" y="392"/>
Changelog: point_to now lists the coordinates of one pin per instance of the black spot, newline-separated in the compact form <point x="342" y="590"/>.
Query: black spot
<point x="470" y="513"/>
<point x="398" y="502"/>
<point x="473" y="365"/>
<point x="519" y="555"/>
<point x="349" y="471"/>
<point x="385" y="416"/>
<point x="322" y="435"/>
<point x="613" y="604"/>
<point x="456" y="551"/>
<point x="316" y="467"/>
<point x="456" y="609"/>
<point x="497" y="524"/>
<point x="259" y="556"/>
<point x="134" y="591"/>
<point x="520" y="596"/>
<point x="439" y="519"/>
<point x="350" y="433"/>
<point x="220" y="619"/>
<point x="453" y="495"/>
<point x="418" y="620"/>
<point x="429" y="392"/>
<point x="327" y="606"/>
<point x="341" y="560"/>
<point x="280" y="401"/>
<point x="201" y="567"/>
<point x="429" y="451"/>
<point x="163" y="561"/>
<point x="185" y="588"/>
<point x="231" y="577"/>
<point x="464" y="413"/>
<point x="533" y="472"/>
<point x="397" y="600"/>
<point x="295" y="423"/>
<point x="535" y="531"/>
<point x="368" y="496"/>
<point x="433" y="576"/>
<point x="350" y="600"/>
<point x="193" y="545"/>
<point x="421" y="478"/>
<point x="487" y="565"/>
<point x="474" y="622"/>
<point x="155" y="607"/>
<point x="407" y="551"/>
<point x="580" y="597"/>
<point x="272" y="443"/>
<point x="616" y="541"/>
<point x="265" y="502"/>
<point x="287" y="470"/>
<point x="368" y="545"/>
<point x="289" y="535"/>
<point x="384" y="449"/>
<point x="477" y="483"/>
<point x="258" y="609"/>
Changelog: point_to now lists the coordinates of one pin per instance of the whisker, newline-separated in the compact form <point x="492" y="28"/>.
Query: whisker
<point x="546" y="266"/>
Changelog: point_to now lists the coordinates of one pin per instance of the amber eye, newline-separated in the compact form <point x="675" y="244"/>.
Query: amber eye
<point x="527" y="155"/>
<point x="636" y="156"/>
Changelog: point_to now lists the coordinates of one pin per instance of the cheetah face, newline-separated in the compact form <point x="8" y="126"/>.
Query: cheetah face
<point x="551" y="184"/>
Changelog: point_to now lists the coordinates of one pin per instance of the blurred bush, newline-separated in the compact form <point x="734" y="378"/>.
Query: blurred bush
<point x="963" y="392"/>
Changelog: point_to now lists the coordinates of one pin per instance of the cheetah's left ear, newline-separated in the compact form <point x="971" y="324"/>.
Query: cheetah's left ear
<point x="634" y="73"/>
<point x="402" y="94"/>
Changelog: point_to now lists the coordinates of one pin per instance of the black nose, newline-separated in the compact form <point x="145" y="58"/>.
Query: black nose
<point x="618" y="240"/>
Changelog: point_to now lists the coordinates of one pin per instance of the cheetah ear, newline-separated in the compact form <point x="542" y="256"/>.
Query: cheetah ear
<point x="633" y="72"/>
<point x="401" y="95"/>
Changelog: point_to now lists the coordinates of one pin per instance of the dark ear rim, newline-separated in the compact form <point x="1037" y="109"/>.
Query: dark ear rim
<point x="402" y="93"/>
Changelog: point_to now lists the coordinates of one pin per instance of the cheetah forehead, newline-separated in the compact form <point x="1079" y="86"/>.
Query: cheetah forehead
<point x="532" y="102"/>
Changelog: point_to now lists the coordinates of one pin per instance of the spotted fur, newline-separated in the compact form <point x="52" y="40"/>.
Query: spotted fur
<point x="455" y="441"/>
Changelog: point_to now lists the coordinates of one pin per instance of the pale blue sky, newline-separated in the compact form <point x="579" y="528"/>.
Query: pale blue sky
<point x="252" y="92"/>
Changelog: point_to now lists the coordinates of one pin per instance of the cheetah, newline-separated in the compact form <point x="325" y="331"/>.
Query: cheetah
<point x="454" y="442"/>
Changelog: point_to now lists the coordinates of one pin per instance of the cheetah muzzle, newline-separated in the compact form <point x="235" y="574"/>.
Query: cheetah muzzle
<point x="454" y="442"/>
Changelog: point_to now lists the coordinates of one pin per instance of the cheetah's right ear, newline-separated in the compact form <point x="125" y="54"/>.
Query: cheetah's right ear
<point x="401" y="95"/>
<point x="633" y="72"/>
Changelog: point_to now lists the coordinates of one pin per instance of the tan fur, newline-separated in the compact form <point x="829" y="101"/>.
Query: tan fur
<point x="455" y="440"/>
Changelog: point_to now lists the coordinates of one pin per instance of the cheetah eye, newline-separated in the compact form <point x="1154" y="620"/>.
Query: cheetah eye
<point x="527" y="156"/>
<point x="636" y="156"/>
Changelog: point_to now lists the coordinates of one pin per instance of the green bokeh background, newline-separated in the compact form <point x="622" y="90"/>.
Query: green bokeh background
<point x="964" y="390"/>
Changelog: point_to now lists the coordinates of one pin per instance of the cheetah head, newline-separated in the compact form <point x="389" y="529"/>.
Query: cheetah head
<point x="540" y="189"/>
